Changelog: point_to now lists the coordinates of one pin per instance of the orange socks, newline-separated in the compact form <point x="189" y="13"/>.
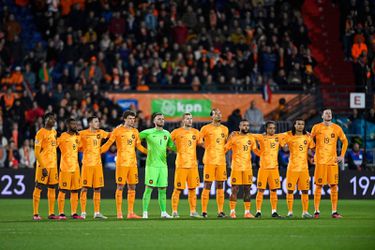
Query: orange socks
<point x="305" y="202"/>
<point x="61" y="202"/>
<point x="205" y="198"/>
<point x="36" y="200"/>
<point x="83" y="201"/>
<point x="118" y="197"/>
<point x="175" y="199"/>
<point x="96" y="202"/>
<point x="290" y="200"/>
<point x="220" y="199"/>
<point x="247" y="205"/>
<point x="51" y="200"/>
<point x="259" y="201"/>
<point x="317" y="197"/>
<point x="273" y="199"/>
<point x="73" y="202"/>
<point x="192" y="197"/>
<point x="334" y="198"/>
<point x="131" y="199"/>
<point x="232" y="205"/>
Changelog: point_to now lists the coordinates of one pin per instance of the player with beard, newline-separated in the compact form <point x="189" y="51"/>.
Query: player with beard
<point x="69" y="178"/>
<point x="213" y="137"/>
<point x="326" y="135"/>
<point x="241" y="144"/>
<point x="156" y="173"/>
<point x="46" y="166"/>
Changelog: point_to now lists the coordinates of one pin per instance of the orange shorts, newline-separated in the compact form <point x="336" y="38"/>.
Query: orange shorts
<point x="270" y="176"/>
<point x="92" y="176"/>
<point x="244" y="177"/>
<point x="326" y="174"/>
<point x="186" y="175"/>
<point x="301" y="179"/>
<point x="70" y="180"/>
<point x="51" y="179"/>
<point x="215" y="173"/>
<point x="127" y="175"/>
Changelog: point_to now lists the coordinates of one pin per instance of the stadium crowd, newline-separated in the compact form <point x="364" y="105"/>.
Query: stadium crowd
<point x="358" y="36"/>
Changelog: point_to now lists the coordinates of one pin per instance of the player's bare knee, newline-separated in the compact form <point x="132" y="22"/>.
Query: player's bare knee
<point x="207" y="185"/>
<point x="220" y="185"/>
<point x="83" y="189"/>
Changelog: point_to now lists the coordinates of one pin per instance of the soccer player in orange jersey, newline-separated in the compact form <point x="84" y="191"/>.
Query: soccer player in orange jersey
<point x="214" y="137"/>
<point x="127" y="139"/>
<point x="46" y="166"/>
<point x="241" y="144"/>
<point x="186" y="139"/>
<point x="69" y="178"/>
<point x="268" y="173"/>
<point x="92" y="170"/>
<point x="326" y="135"/>
<point x="299" y="144"/>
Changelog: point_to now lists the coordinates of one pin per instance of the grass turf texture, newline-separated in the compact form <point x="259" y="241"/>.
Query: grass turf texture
<point x="355" y="231"/>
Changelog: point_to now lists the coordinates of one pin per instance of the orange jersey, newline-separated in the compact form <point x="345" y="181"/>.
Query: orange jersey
<point x="269" y="150"/>
<point x="326" y="143"/>
<point x="90" y="144"/>
<point x="298" y="147"/>
<point x="69" y="145"/>
<point x="241" y="146"/>
<point x="214" y="141"/>
<point x="186" y="141"/>
<point x="46" y="139"/>
<point x="127" y="139"/>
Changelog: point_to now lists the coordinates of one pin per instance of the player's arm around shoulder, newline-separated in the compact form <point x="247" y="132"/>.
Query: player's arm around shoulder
<point x="110" y="141"/>
<point x="138" y="143"/>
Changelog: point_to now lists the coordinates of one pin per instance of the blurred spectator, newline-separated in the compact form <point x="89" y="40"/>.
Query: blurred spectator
<point x="27" y="157"/>
<point x="234" y="120"/>
<point x="371" y="115"/>
<point x="110" y="158"/>
<point x="13" y="155"/>
<point x="283" y="157"/>
<point x="255" y="118"/>
<point x="356" y="158"/>
<point x="3" y="150"/>
<point x="281" y="110"/>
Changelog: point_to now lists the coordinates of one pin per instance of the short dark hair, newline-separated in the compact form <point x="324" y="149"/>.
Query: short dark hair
<point x="324" y="109"/>
<point x="244" y="120"/>
<point x="92" y="118"/>
<point x="294" y="123"/>
<point x="128" y="113"/>
<point x="269" y="123"/>
<point x="48" y="115"/>
<point x="212" y="111"/>
<point x="69" y="120"/>
<point x="155" y="115"/>
<point x="185" y="114"/>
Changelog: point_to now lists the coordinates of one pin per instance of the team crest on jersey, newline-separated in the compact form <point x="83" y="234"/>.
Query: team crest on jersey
<point x="98" y="136"/>
<point x="133" y="136"/>
<point x="222" y="135"/>
<point x="276" y="139"/>
<point x="305" y="142"/>
<point x="179" y="184"/>
<point x="234" y="180"/>
<point x="207" y="176"/>
<point x="259" y="184"/>
<point x="289" y="185"/>
<point x="194" y="137"/>
<point x="64" y="184"/>
<point x="120" y="179"/>
<point x="165" y="138"/>
<point x="320" y="180"/>
<point x="332" y="135"/>
<point x="248" y="142"/>
<point x="84" y="182"/>
<point x="151" y="182"/>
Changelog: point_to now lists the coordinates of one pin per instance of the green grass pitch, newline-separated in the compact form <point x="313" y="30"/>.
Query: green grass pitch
<point x="355" y="231"/>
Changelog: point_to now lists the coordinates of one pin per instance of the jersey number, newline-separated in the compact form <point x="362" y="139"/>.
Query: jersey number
<point x="326" y="140"/>
<point x="95" y="142"/>
<point x="300" y="148"/>
<point x="245" y="147"/>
